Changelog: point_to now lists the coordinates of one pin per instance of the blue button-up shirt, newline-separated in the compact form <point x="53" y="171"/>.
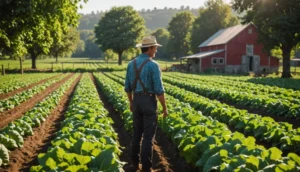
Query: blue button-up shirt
<point x="150" y="76"/>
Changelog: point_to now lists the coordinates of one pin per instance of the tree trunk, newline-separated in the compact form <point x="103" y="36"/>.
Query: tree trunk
<point x="33" y="60"/>
<point x="21" y="65"/>
<point x="286" y="64"/>
<point x="120" y="57"/>
<point x="56" y="56"/>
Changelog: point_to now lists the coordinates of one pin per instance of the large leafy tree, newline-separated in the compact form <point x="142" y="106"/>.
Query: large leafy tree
<point x="31" y="26"/>
<point x="277" y="22"/>
<point x="119" y="29"/>
<point x="214" y="16"/>
<point x="162" y="36"/>
<point x="67" y="46"/>
<point x="179" y="28"/>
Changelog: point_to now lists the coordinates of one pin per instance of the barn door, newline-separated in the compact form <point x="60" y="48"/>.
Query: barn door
<point x="256" y="63"/>
<point x="245" y="64"/>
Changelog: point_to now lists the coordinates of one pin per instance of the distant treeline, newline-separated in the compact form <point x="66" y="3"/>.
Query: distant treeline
<point x="154" y="19"/>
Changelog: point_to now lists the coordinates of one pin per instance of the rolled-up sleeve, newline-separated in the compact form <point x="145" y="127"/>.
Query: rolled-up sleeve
<point x="157" y="80"/>
<point x="127" y="81"/>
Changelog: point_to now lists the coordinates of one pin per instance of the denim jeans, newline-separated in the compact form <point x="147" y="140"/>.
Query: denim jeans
<point x="144" y="127"/>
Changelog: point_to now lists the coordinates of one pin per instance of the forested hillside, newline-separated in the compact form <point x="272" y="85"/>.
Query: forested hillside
<point x="154" y="18"/>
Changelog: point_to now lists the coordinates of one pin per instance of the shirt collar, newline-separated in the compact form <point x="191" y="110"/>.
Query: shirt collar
<point x="144" y="56"/>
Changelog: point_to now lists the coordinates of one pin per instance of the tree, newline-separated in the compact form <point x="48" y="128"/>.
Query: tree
<point x="131" y="53"/>
<point x="68" y="44"/>
<point x="119" y="29"/>
<point x="92" y="50"/>
<point x="79" y="49"/>
<point x="214" y="16"/>
<point x="110" y="55"/>
<point x="179" y="28"/>
<point x="162" y="36"/>
<point x="277" y="22"/>
<point x="31" y="26"/>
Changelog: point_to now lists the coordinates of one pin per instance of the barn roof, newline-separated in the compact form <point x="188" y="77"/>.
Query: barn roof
<point x="203" y="54"/>
<point x="223" y="35"/>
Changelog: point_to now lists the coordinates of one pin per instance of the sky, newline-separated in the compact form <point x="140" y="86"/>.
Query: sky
<point x="105" y="5"/>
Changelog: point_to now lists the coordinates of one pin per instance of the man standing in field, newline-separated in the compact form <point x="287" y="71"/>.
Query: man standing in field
<point x="143" y="84"/>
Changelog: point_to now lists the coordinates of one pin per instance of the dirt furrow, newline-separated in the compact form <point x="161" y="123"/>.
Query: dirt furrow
<point x="165" y="155"/>
<point x="17" y="112"/>
<point x="12" y="93"/>
<point x="23" y="158"/>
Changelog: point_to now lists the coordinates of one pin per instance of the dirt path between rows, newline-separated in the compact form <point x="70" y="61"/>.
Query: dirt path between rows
<point x="165" y="154"/>
<point x="12" y="93"/>
<point x="17" y="112"/>
<point x="23" y="158"/>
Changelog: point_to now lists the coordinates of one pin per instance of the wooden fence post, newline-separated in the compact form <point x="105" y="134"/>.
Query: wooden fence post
<point x="52" y="66"/>
<point x="3" y="70"/>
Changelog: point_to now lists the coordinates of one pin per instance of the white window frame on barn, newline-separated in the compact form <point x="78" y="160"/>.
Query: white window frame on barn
<point x="250" y="31"/>
<point x="249" y="49"/>
<point x="219" y="61"/>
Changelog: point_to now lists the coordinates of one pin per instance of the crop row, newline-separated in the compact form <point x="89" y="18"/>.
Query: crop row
<point x="86" y="141"/>
<point x="280" y="134"/>
<point x="203" y="141"/>
<point x="287" y="95"/>
<point x="17" y="99"/>
<point x="13" y="82"/>
<point x="273" y="106"/>
<point x="12" y="136"/>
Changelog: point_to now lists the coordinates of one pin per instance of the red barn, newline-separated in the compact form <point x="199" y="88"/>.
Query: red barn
<point x="233" y="50"/>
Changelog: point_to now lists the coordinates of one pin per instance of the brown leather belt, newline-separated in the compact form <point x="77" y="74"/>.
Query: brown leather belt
<point x="144" y="94"/>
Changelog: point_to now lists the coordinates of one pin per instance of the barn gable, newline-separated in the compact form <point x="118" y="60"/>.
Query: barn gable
<point x="223" y="36"/>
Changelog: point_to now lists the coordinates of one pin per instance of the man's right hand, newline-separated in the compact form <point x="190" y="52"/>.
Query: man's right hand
<point x="165" y="113"/>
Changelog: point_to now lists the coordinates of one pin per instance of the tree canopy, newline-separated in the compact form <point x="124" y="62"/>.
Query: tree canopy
<point x="179" y="28"/>
<point x="119" y="29"/>
<point x="67" y="46"/>
<point x="162" y="37"/>
<point x="32" y="26"/>
<point x="214" y="16"/>
<point x="277" y="22"/>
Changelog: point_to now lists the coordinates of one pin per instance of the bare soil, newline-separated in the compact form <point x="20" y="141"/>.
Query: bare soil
<point x="165" y="154"/>
<point x="23" y="158"/>
<point x="17" y="112"/>
<point x="9" y="94"/>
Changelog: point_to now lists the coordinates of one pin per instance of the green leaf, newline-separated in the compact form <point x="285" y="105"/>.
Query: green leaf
<point x="76" y="168"/>
<point x="70" y="157"/>
<point x="223" y="153"/>
<point x="51" y="163"/>
<point x="37" y="168"/>
<point x="82" y="160"/>
<point x="294" y="157"/>
<point x="87" y="147"/>
<point x="252" y="163"/>
<point x="275" y="153"/>
<point x="4" y="155"/>
<point x="213" y="163"/>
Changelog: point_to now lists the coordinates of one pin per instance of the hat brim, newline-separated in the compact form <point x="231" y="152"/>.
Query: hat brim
<point x="148" y="45"/>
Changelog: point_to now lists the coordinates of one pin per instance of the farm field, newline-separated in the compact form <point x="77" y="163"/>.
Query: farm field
<point x="82" y="122"/>
<point x="72" y="64"/>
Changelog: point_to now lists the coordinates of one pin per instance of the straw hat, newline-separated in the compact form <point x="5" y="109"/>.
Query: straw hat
<point x="148" y="41"/>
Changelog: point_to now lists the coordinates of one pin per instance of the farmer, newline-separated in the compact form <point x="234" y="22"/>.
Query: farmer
<point x="143" y="85"/>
